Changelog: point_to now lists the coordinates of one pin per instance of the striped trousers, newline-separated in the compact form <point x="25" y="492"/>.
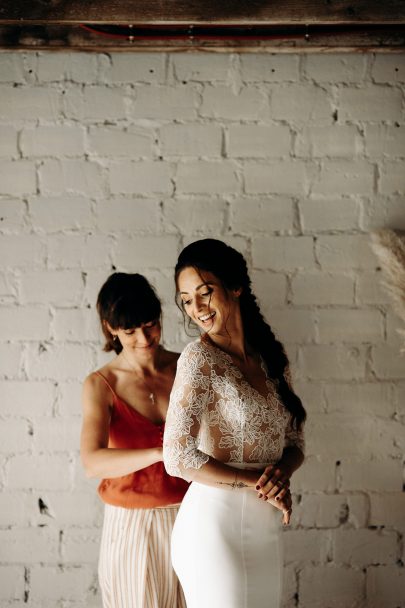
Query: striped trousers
<point x="135" y="569"/>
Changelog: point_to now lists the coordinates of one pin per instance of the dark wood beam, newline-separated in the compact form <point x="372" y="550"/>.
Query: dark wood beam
<point x="250" y="39"/>
<point x="221" y="25"/>
<point x="247" y="12"/>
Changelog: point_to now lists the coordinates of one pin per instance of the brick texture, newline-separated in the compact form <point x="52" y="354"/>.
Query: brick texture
<point x="116" y="161"/>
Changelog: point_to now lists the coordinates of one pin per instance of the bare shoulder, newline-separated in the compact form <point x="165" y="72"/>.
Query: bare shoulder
<point x="104" y="374"/>
<point x="95" y="387"/>
<point x="96" y="378"/>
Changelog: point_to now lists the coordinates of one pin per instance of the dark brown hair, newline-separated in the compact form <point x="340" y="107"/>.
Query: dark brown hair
<point x="230" y="267"/>
<point x="126" y="301"/>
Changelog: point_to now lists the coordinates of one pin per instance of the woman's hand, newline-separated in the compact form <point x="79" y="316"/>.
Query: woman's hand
<point x="274" y="482"/>
<point x="284" y="504"/>
<point x="276" y="477"/>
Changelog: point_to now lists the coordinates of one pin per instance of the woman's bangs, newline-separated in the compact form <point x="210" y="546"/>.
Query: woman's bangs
<point x="130" y="313"/>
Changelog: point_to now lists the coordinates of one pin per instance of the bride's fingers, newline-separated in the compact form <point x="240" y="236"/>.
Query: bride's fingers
<point x="263" y="479"/>
<point x="284" y="503"/>
<point x="287" y="516"/>
<point x="274" y="486"/>
<point x="277" y="492"/>
<point x="283" y="492"/>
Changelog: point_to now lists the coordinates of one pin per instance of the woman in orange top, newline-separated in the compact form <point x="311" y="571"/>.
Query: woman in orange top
<point x="124" y="411"/>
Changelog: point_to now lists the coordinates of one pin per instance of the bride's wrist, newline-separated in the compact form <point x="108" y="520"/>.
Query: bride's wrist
<point x="285" y="467"/>
<point x="249" y="478"/>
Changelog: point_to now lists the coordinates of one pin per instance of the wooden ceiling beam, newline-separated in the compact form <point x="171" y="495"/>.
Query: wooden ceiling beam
<point x="220" y="25"/>
<point x="297" y="40"/>
<point x="226" y="12"/>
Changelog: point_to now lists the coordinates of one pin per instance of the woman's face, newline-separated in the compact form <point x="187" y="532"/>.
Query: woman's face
<point x="206" y="301"/>
<point x="142" y="339"/>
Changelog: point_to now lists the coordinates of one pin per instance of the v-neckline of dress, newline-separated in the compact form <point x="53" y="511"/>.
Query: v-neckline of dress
<point x="228" y="358"/>
<point x="135" y="411"/>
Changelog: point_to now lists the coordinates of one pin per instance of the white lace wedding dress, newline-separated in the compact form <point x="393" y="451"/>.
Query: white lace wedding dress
<point x="225" y="543"/>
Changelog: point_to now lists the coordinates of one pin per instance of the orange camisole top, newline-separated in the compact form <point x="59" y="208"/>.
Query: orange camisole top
<point x="149" y="487"/>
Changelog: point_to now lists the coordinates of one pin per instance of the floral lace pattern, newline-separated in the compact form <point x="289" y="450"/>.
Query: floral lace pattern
<point x="214" y="411"/>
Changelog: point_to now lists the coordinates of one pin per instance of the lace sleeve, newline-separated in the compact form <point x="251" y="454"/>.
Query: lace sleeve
<point x="293" y="437"/>
<point x="189" y="399"/>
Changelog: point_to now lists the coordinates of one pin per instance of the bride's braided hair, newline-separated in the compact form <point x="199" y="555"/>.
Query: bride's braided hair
<point x="229" y="266"/>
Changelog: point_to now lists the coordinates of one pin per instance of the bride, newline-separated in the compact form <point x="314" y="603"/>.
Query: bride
<point x="234" y="429"/>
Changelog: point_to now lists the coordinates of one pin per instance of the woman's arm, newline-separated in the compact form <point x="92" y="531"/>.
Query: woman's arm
<point x="190" y="399"/>
<point x="291" y="460"/>
<point x="98" y="459"/>
<point x="278" y="475"/>
<point x="220" y="475"/>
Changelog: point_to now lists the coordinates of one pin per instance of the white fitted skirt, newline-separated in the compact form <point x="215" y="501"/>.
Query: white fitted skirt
<point x="226" y="549"/>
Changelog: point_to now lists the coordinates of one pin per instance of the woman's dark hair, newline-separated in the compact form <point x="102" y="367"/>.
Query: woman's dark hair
<point x="125" y="301"/>
<point x="229" y="266"/>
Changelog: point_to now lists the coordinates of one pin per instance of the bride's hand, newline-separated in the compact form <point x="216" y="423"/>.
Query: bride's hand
<point x="273" y="482"/>
<point x="284" y="504"/>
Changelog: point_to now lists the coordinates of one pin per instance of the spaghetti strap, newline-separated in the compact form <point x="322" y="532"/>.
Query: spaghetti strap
<point x="107" y="383"/>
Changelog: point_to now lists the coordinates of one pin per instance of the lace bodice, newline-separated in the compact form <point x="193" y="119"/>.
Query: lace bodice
<point x="214" y="411"/>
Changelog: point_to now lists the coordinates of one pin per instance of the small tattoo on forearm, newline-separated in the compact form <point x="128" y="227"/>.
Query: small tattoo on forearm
<point x="235" y="485"/>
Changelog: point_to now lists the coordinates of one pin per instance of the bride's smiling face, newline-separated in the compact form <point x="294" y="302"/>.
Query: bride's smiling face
<point x="206" y="301"/>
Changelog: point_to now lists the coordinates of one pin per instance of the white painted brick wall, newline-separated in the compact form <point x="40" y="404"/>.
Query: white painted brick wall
<point x="117" y="161"/>
<point x="258" y="141"/>
<point x="135" y="178"/>
<point x="335" y="68"/>
<point x="84" y="104"/>
<point x="124" y="68"/>
<point x="337" y="141"/>
<point x="370" y="104"/>
<point x="43" y="103"/>
<point x="283" y="253"/>
<point x="247" y="103"/>
<point x="198" y="177"/>
<point x="197" y="68"/>
<point x="269" y="214"/>
<point x="365" y="547"/>
<point x="8" y="141"/>
<point x="269" y="68"/>
<point x="109" y="141"/>
<point x="278" y="177"/>
<point x="164" y="103"/>
<point x="319" y="288"/>
<point x="18" y="177"/>
<point x="191" y="140"/>
<point x="379" y="210"/>
<point x="345" y="177"/>
<point x="331" y="586"/>
<point x="199" y="215"/>
<point x="300" y="104"/>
